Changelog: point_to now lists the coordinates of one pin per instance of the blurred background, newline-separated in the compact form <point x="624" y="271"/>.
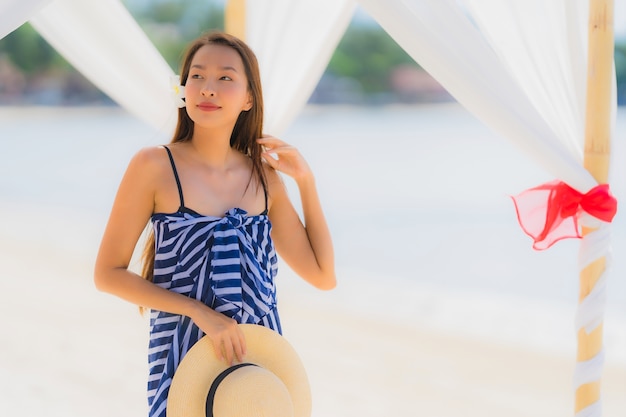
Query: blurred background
<point x="367" y="68"/>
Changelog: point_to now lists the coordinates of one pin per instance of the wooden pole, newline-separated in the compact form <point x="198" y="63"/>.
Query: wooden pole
<point x="596" y="161"/>
<point x="235" y="18"/>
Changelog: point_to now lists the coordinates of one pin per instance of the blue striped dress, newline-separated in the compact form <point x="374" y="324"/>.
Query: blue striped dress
<point x="229" y="263"/>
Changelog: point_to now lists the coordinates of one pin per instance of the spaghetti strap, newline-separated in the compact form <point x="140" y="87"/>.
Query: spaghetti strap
<point x="180" y="188"/>
<point x="265" y="193"/>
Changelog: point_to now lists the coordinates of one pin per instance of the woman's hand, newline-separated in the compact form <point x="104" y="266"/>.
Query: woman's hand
<point x="228" y="339"/>
<point x="284" y="158"/>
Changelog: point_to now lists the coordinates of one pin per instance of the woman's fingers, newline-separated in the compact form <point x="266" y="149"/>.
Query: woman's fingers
<point x="235" y="346"/>
<point x="230" y="347"/>
<point x="284" y="158"/>
<point x="225" y="333"/>
<point x="270" y="141"/>
<point x="242" y="344"/>
<point x="228" y="340"/>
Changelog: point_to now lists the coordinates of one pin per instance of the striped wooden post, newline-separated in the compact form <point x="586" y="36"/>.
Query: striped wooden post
<point x="235" y="18"/>
<point x="596" y="161"/>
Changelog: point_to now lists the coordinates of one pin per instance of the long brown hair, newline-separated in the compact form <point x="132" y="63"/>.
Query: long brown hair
<point x="248" y="127"/>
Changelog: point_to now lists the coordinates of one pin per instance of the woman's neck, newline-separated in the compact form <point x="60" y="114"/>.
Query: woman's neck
<point x="212" y="147"/>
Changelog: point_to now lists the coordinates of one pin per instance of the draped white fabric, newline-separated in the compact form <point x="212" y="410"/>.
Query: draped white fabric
<point x="103" y="41"/>
<point x="294" y="41"/>
<point x="520" y="67"/>
<point x="551" y="73"/>
<point x="440" y="36"/>
<point x="14" y="13"/>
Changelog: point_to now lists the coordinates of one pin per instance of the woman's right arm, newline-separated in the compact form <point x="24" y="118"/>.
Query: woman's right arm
<point x="131" y="211"/>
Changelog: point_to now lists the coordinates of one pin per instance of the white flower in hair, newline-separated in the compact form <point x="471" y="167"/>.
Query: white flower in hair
<point x="178" y="91"/>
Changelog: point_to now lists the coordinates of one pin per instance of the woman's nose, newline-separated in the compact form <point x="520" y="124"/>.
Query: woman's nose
<point x="208" y="90"/>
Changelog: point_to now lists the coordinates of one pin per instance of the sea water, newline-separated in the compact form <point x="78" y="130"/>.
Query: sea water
<point x="417" y="198"/>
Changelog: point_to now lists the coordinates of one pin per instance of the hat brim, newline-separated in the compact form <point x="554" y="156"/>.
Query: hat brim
<point x="264" y="347"/>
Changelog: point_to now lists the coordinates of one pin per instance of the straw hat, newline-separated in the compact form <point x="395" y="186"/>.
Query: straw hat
<point x="271" y="382"/>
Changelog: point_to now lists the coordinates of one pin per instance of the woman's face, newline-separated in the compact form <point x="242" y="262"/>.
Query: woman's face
<point x="216" y="91"/>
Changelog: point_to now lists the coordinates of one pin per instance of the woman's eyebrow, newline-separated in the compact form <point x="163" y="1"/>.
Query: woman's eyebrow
<point x="224" y="68"/>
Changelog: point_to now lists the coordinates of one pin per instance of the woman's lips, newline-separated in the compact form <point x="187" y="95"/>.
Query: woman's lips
<point x="208" y="106"/>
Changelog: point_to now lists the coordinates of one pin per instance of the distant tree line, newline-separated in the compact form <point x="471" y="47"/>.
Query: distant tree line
<point x="620" y="70"/>
<point x="362" y="67"/>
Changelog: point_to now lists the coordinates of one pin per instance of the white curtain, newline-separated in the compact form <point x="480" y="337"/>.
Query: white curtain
<point x="14" y="13"/>
<point x="103" y="41"/>
<point x="442" y="36"/>
<point x="520" y="67"/>
<point x="551" y="73"/>
<point x="294" y="41"/>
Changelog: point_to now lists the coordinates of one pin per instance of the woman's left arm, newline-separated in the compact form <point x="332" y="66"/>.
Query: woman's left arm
<point x="307" y="248"/>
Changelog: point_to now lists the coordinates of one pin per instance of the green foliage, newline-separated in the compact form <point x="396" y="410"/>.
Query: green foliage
<point x="368" y="54"/>
<point x="166" y="11"/>
<point x="172" y="24"/>
<point x="620" y="70"/>
<point x="620" y="61"/>
<point x="27" y="50"/>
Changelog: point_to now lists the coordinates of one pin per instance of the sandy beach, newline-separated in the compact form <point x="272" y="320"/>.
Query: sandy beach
<point x="71" y="351"/>
<point x="373" y="368"/>
<point x="378" y="345"/>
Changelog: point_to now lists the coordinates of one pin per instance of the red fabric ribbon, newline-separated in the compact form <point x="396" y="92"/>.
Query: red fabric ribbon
<point x="549" y="212"/>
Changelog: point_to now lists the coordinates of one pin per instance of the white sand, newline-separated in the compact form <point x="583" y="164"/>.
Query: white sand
<point x="367" y="367"/>
<point x="70" y="351"/>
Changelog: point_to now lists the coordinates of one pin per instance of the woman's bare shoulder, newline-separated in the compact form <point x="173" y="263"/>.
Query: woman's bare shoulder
<point x="150" y="158"/>
<point x="148" y="166"/>
<point x="150" y="155"/>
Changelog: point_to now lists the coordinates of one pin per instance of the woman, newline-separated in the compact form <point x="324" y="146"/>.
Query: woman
<point x="213" y="196"/>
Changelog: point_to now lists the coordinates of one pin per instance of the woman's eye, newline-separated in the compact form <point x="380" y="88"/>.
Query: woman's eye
<point x="195" y="76"/>
<point x="226" y="78"/>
